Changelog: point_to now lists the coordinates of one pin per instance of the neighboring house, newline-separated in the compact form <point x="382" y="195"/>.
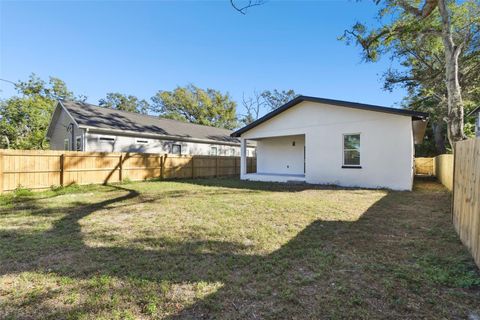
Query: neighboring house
<point x="324" y="141"/>
<point x="84" y="127"/>
<point x="476" y="113"/>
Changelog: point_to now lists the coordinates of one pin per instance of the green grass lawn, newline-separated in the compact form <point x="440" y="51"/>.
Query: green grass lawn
<point x="227" y="249"/>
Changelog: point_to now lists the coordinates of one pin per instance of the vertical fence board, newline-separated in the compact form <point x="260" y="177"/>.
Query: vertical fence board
<point x="444" y="170"/>
<point x="466" y="194"/>
<point x="425" y="166"/>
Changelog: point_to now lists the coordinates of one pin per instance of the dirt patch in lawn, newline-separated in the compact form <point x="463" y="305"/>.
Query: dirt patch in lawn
<point x="233" y="250"/>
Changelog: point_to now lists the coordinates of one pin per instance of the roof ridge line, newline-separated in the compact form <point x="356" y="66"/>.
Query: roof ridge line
<point x="142" y="114"/>
<point x="339" y="103"/>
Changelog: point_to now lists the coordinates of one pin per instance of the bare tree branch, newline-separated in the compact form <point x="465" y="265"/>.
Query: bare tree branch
<point x="426" y="10"/>
<point x="250" y="4"/>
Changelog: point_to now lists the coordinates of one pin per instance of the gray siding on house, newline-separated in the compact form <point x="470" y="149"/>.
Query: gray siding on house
<point x="61" y="122"/>
<point x="130" y="143"/>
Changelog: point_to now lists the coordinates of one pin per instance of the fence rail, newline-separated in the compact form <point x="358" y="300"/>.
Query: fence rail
<point x="38" y="169"/>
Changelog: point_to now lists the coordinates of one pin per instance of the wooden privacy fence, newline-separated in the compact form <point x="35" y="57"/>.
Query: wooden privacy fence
<point x="444" y="170"/>
<point x="425" y="166"/>
<point x="466" y="195"/>
<point x="460" y="173"/>
<point x="38" y="169"/>
<point x="440" y="166"/>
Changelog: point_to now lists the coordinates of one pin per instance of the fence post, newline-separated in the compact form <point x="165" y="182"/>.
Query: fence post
<point x="160" y="158"/>
<point x="193" y="168"/>
<point x="120" y="172"/>
<point x="62" y="168"/>
<point x="216" y="166"/>
<point x="453" y="180"/>
<point x="164" y="161"/>
<point x="1" y="172"/>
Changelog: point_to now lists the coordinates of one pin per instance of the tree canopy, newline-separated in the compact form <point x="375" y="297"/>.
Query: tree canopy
<point x="120" y="101"/>
<point x="195" y="105"/>
<point x="436" y="44"/>
<point x="26" y="116"/>
<point x="275" y="98"/>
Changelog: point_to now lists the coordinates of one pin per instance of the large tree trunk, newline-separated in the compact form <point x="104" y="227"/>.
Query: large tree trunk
<point x="455" y="102"/>
<point x="439" y="137"/>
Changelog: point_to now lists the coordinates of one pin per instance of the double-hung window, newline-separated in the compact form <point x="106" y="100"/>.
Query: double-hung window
<point x="351" y="150"/>
<point x="78" y="143"/>
<point x="66" y="144"/>
<point x="176" y="149"/>
<point x="213" y="151"/>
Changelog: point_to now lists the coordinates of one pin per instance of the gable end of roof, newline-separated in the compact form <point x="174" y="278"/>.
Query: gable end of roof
<point x="416" y="115"/>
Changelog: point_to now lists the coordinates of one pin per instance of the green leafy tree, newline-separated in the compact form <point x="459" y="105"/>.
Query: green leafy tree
<point x="422" y="72"/>
<point x="24" y="118"/>
<point x="275" y="98"/>
<point x="119" y="101"/>
<point x="424" y="33"/>
<point x="195" y="105"/>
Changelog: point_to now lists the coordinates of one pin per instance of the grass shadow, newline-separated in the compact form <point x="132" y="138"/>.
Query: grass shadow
<point x="392" y="262"/>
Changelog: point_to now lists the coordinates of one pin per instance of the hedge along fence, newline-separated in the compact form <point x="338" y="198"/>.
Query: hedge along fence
<point x="38" y="169"/>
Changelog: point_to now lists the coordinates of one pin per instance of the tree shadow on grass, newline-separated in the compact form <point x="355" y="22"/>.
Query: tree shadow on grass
<point x="260" y="186"/>
<point x="380" y="265"/>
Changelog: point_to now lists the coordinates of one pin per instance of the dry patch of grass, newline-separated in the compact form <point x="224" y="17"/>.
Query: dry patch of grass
<point x="232" y="249"/>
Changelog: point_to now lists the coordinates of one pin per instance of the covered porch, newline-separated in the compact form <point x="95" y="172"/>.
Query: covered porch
<point x="279" y="159"/>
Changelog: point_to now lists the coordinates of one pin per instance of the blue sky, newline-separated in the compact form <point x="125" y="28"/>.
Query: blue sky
<point x="143" y="46"/>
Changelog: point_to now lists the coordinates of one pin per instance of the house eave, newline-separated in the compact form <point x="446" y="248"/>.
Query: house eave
<point x="415" y="115"/>
<point x="159" y="136"/>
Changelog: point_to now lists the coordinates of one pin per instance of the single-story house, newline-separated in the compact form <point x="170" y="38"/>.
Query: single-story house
<point x="476" y="113"/>
<point x="325" y="141"/>
<point x="81" y="126"/>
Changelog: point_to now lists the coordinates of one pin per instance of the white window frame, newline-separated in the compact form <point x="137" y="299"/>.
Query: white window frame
<point x="213" y="148"/>
<point x="77" y="145"/>
<point x="66" y="144"/>
<point x="179" y="145"/>
<point x="359" y="165"/>
<point x="111" y="139"/>
<point x="142" y="141"/>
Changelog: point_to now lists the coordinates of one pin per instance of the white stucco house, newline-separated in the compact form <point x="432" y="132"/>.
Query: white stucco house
<point x="324" y="141"/>
<point x="81" y="126"/>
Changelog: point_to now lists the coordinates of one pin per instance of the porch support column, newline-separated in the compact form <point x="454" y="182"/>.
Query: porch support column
<point x="243" y="157"/>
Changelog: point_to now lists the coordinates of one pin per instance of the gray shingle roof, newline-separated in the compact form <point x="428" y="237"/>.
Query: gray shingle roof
<point x="109" y="119"/>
